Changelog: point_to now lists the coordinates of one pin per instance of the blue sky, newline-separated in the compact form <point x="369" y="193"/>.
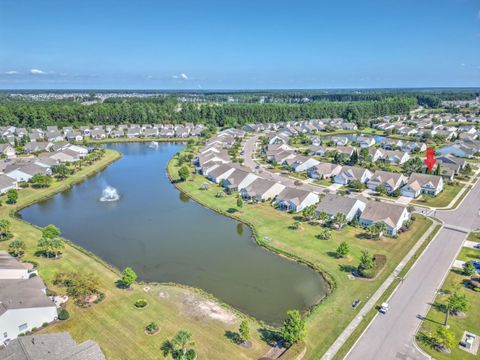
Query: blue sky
<point x="260" y="44"/>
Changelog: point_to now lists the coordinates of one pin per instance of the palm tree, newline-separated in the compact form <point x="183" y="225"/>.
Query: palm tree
<point x="323" y="217"/>
<point x="4" y="228"/>
<point x="340" y="220"/>
<point x="182" y="341"/>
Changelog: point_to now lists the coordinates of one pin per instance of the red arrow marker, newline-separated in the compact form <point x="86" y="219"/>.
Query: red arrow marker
<point x="430" y="160"/>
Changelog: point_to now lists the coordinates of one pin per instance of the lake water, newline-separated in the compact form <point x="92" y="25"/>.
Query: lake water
<point x="166" y="237"/>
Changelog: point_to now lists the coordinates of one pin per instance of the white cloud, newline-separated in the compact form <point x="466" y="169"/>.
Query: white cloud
<point x="462" y="64"/>
<point x="37" y="72"/>
<point x="181" y="76"/>
<point x="12" y="72"/>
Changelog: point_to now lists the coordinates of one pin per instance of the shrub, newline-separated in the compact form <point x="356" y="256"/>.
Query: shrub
<point x="45" y="324"/>
<point x="151" y="328"/>
<point x="63" y="314"/>
<point x="140" y="303"/>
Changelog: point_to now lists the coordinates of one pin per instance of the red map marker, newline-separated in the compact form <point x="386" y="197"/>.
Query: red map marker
<point x="430" y="160"/>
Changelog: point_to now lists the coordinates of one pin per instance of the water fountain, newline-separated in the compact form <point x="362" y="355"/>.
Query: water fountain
<point x="153" y="145"/>
<point x="110" y="194"/>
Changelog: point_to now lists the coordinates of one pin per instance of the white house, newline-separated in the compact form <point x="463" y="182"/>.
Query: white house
<point x="24" y="303"/>
<point x="11" y="268"/>
<point x="295" y="200"/>
<point x="239" y="179"/>
<point x="333" y="204"/>
<point x="7" y="183"/>
<point x="220" y="173"/>
<point x="7" y="150"/>
<point x="302" y="163"/>
<point x="26" y="172"/>
<point x="390" y="180"/>
<point x="261" y="190"/>
<point x="350" y="173"/>
<point x="422" y="184"/>
<point x="392" y="215"/>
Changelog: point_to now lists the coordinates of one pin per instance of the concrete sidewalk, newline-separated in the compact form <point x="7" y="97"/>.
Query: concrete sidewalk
<point x="374" y="299"/>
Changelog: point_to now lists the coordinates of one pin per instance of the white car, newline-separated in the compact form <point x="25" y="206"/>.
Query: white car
<point x="384" y="308"/>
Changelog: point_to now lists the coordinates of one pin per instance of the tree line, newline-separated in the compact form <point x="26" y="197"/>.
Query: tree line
<point x="66" y="113"/>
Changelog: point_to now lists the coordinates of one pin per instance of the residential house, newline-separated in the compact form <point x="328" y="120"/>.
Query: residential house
<point x="345" y="150"/>
<point x="295" y="200"/>
<point x="390" y="180"/>
<point x="54" y="136"/>
<point x="392" y="215"/>
<point x="24" y="306"/>
<point x="350" y="173"/>
<point x="238" y="180"/>
<point x="7" y="150"/>
<point x="98" y="134"/>
<point x="422" y="184"/>
<point x="133" y="132"/>
<point x="333" y="204"/>
<point x="26" y="172"/>
<point x="340" y="140"/>
<point x="34" y="147"/>
<point x="365" y="141"/>
<point x="7" y="183"/>
<point x="324" y="170"/>
<point x="56" y="346"/>
<point x="301" y="163"/>
<point x="220" y="173"/>
<point x="261" y="190"/>
<point x="11" y="268"/>
<point x="317" y="150"/>
<point x="74" y="136"/>
<point x="395" y="157"/>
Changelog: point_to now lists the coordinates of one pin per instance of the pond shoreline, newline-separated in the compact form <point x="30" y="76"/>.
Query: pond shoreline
<point x="329" y="280"/>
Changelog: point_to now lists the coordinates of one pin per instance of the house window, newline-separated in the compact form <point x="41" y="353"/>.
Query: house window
<point x="23" y="327"/>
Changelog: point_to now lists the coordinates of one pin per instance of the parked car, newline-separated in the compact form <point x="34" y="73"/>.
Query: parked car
<point x="384" y="308"/>
<point x="477" y="246"/>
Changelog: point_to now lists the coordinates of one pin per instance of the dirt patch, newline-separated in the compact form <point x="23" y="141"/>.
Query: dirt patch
<point x="163" y="295"/>
<point x="201" y="309"/>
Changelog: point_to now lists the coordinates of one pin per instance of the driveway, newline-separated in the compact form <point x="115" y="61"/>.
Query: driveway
<point x="472" y="244"/>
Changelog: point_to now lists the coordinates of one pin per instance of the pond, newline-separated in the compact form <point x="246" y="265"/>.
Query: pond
<point x="165" y="237"/>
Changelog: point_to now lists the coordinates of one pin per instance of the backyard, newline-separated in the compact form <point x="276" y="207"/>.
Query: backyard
<point x="115" y="323"/>
<point x="272" y="228"/>
<point x="441" y="200"/>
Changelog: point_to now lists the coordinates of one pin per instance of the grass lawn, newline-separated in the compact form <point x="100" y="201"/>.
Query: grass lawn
<point x="441" y="200"/>
<point x="436" y="315"/>
<point x="299" y="175"/>
<point x="323" y="182"/>
<point x="114" y="323"/>
<point x="328" y="319"/>
<point x="385" y="296"/>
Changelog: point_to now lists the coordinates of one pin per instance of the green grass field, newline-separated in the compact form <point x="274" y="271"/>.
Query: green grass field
<point x="436" y="316"/>
<point x="114" y="323"/>
<point x="328" y="319"/>
<point x="443" y="199"/>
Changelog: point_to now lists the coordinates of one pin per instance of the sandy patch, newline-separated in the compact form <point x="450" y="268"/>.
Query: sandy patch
<point x="163" y="295"/>
<point x="201" y="309"/>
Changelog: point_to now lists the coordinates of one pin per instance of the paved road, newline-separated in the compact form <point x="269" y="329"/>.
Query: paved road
<point x="248" y="151"/>
<point x="391" y="336"/>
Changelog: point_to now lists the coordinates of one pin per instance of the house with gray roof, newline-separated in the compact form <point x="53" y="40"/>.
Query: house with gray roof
<point x="333" y="204"/>
<point x="324" y="170"/>
<point x="7" y="183"/>
<point x="390" y="180"/>
<point x="350" y="173"/>
<point x="422" y="184"/>
<point x="295" y="200"/>
<point x="11" y="268"/>
<point x="238" y="180"/>
<point x="24" y="305"/>
<point x="26" y="172"/>
<point x="261" y="190"/>
<point x="56" y="346"/>
<point x="392" y="215"/>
